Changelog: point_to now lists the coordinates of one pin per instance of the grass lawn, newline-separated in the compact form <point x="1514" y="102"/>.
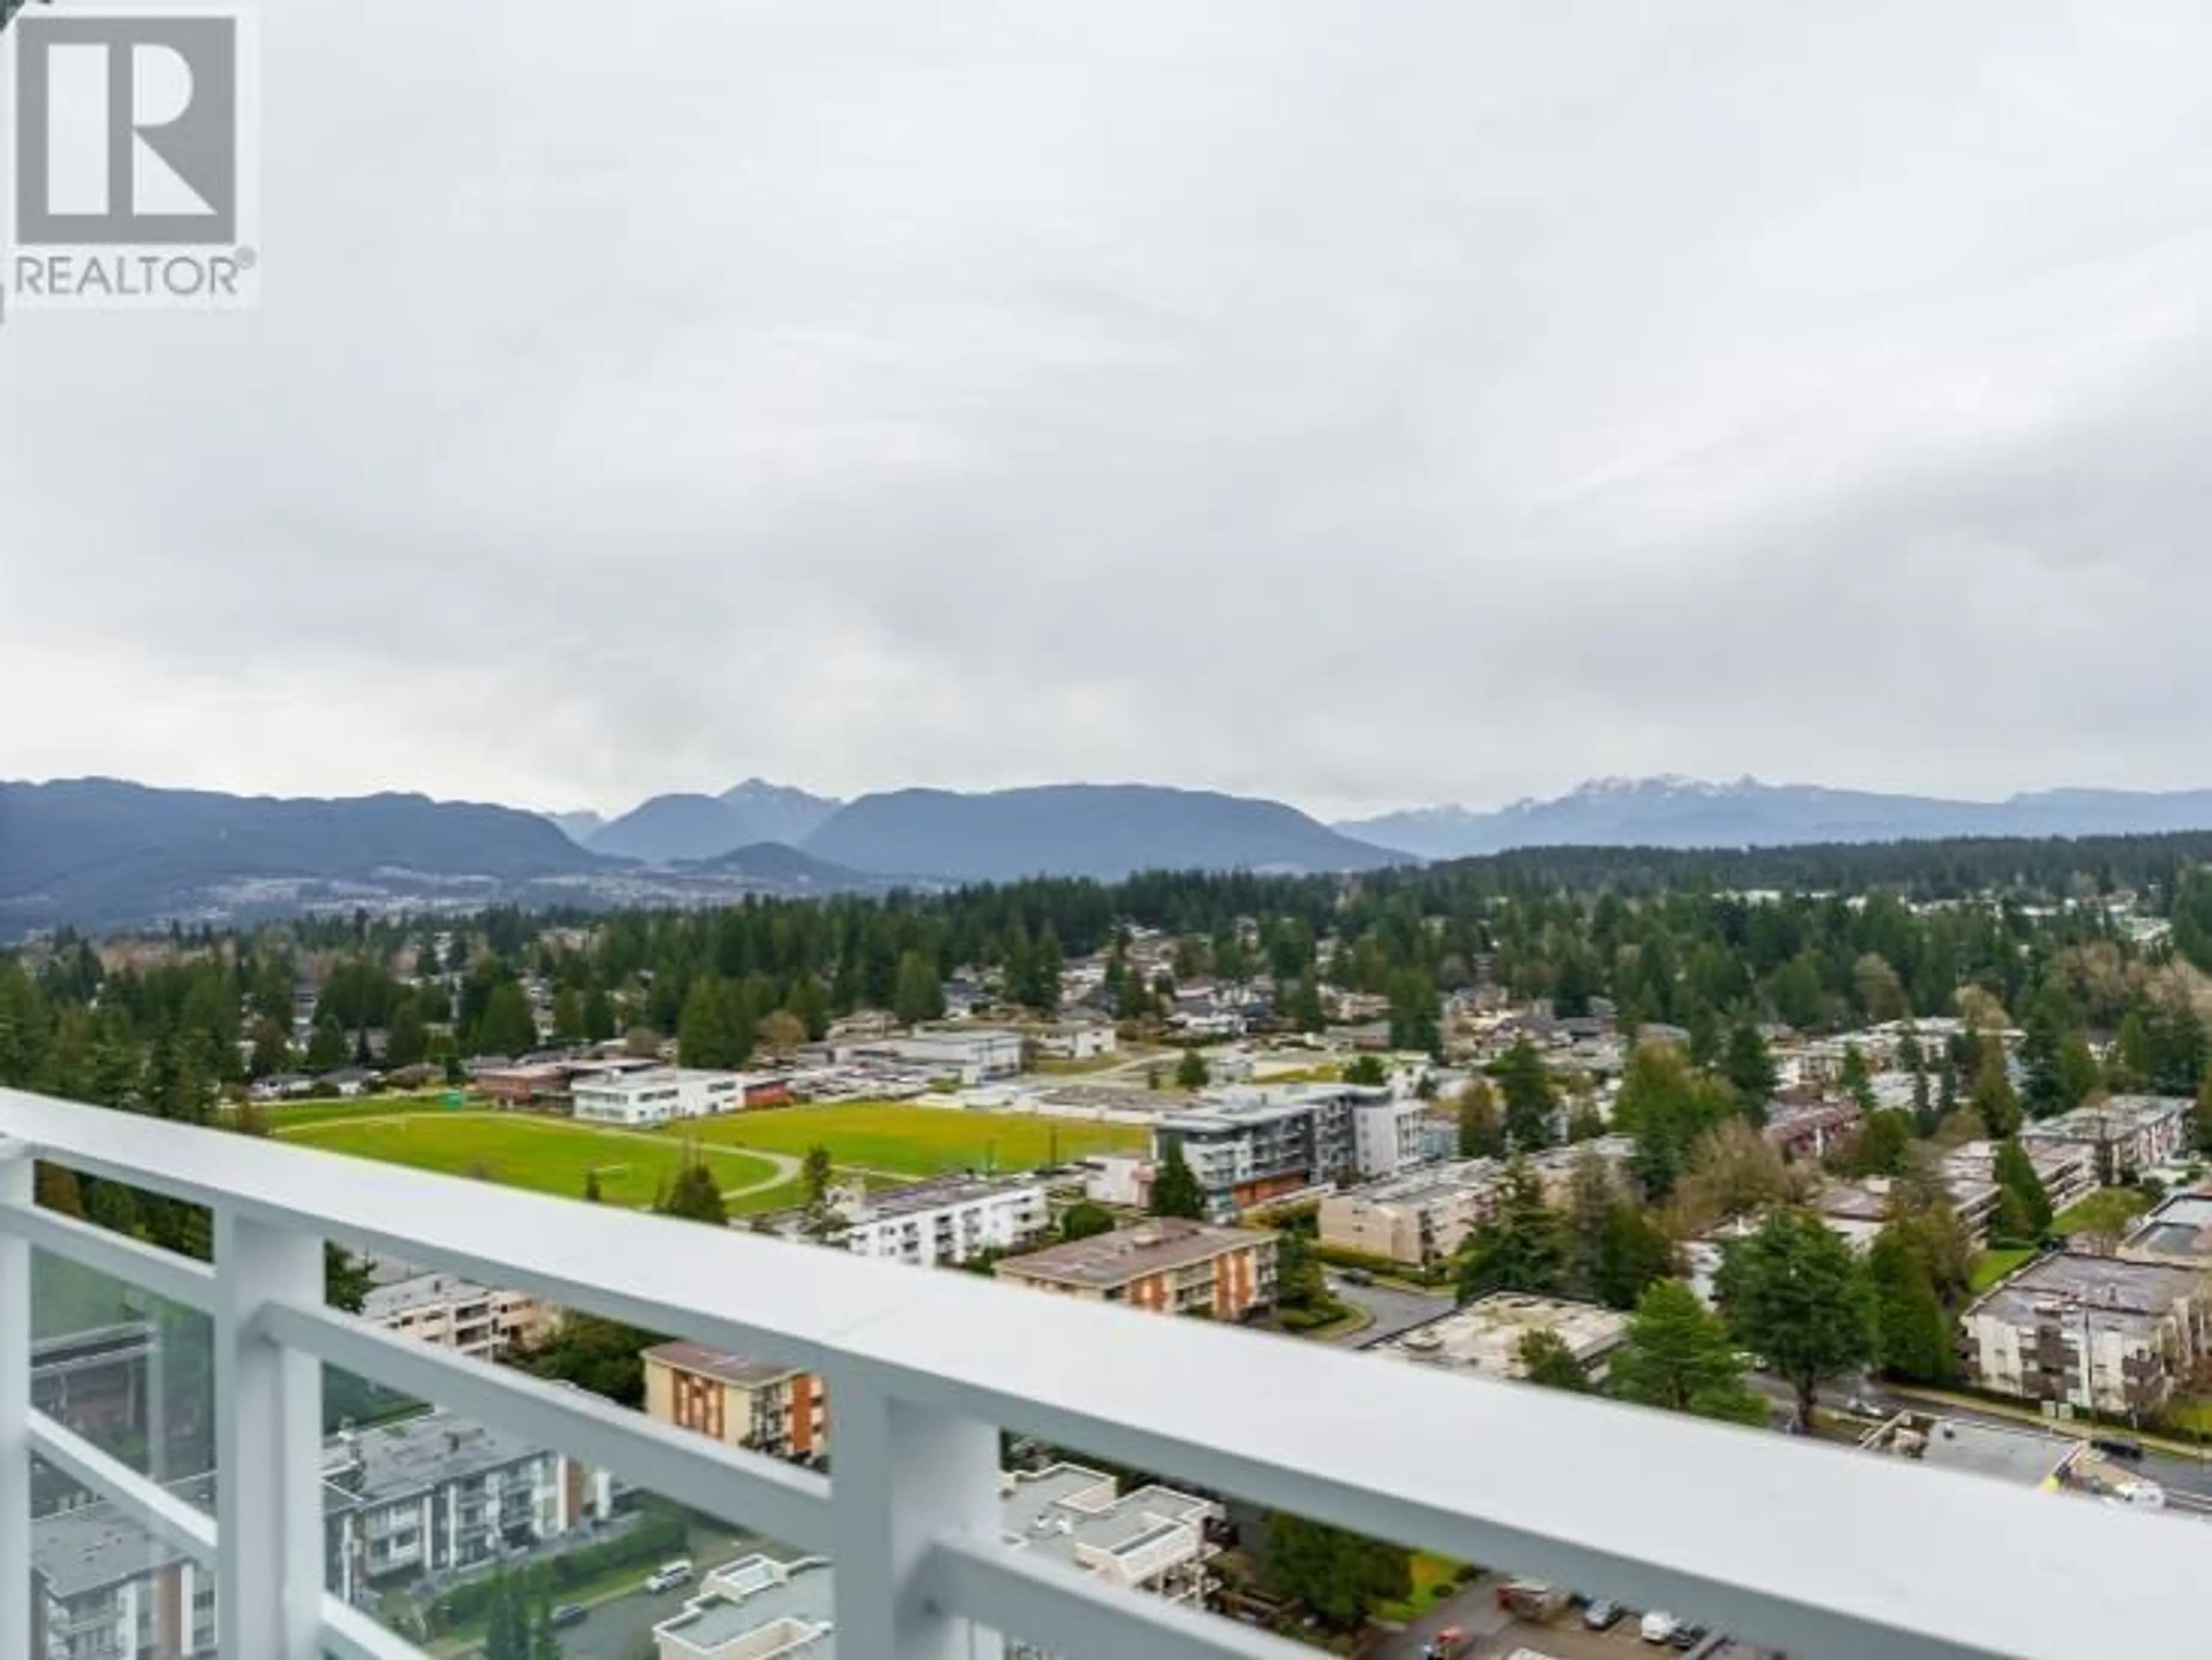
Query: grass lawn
<point x="2108" y="1210"/>
<point x="1993" y="1265"/>
<point x="284" y="1115"/>
<point x="912" y="1140"/>
<point x="1433" y="1580"/>
<point x="548" y="1155"/>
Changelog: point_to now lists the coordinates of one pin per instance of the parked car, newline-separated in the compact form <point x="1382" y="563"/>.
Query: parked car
<point x="669" y="1575"/>
<point x="1358" y="1277"/>
<point x="1446" y="1645"/>
<point x="1602" y="1615"/>
<point x="1859" y="1406"/>
<point x="2119" y="1446"/>
<point x="1686" y="1638"/>
<point x="566" y="1615"/>
<point x="1659" y="1627"/>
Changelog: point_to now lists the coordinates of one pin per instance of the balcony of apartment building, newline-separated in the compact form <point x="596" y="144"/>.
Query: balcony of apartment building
<point x="1817" y="1550"/>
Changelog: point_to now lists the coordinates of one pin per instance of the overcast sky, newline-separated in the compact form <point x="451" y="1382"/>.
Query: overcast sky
<point x="1361" y="405"/>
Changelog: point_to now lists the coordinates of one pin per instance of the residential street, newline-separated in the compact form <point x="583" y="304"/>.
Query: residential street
<point x="1391" y="1309"/>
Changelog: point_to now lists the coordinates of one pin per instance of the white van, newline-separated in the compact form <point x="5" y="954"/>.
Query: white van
<point x="1660" y="1627"/>
<point x="670" y="1575"/>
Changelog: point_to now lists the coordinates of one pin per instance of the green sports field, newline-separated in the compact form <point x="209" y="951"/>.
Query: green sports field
<point x="910" y="1140"/>
<point x="549" y="1155"/>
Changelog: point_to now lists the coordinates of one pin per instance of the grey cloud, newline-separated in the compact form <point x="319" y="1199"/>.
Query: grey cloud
<point x="1355" y="405"/>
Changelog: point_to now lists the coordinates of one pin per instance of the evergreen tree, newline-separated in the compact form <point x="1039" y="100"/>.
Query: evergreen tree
<point x="1749" y="1065"/>
<point x="1086" y="1220"/>
<point x="1519" y="1246"/>
<point x="1525" y="1083"/>
<point x="695" y="1194"/>
<point x="1481" y="1130"/>
<point x="702" y="1032"/>
<point x="1994" y="1101"/>
<point x="1913" y="1334"/>
<point x="1341" y="1576"/>
<point x="1633" y="1252"/>
<point x="1545" y="1360"/>
<point x="1677" y="1357"/>
<point x="1856" y="1081"/>
<point x="1176" y="1191"/>
<point x="1190" y="1071"/>
<point x="326" y="1047"/>
<point x="508" y="1027"/>
<point x="1793" y="1292"/>
<point x="821" y="1220"/>
<point x="407" y="1039"/>
<point x="920" y="993"/>
<point x="598" y="1016"/>
<point x="2016" y="1173"/>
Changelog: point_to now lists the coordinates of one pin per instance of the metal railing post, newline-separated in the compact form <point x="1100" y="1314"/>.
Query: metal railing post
<point x="15" y="1191"/>
<point x="269" y="1442"/>
<point x="904" y="1477"/>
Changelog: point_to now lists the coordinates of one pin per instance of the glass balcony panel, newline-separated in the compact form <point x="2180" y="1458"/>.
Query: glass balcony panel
<point x="440" y="1526"/>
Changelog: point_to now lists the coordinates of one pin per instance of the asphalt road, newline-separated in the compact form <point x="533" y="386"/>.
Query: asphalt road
<point x="1390" y="1311"/>
<point x="2191" y="1476"/>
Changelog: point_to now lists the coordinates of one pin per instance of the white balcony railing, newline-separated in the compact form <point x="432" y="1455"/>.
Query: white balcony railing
<point x="1815" y="1550"/>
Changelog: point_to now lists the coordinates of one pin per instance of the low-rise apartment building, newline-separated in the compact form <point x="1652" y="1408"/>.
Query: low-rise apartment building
<point x="1859" y="1210"/>
<point x="1165" y="1266"/>
<point x="2177" y="1232"/>
<point x="1078" y="1040"/>
<point x="1154" y="1541"/>
<point x="2067" y="1169"/>
<point x="968" y="1054"/>
<point x="1484" y="1338"/>
<point x="440" y="1495"/>
<point x="102" y="1588"/>
<point x="1418" y="1218"/>
<point x="2124" y="1135"/>
<point x="2098" y="1332"/>
<point x="1422" y="1216"/>
<point x="762" y="1406"/>
<point x="452" y="1313"/>
<point x="1252" y="1144"/>
<point x="1809" y="1129"/>
<point x="946" y="1222"/>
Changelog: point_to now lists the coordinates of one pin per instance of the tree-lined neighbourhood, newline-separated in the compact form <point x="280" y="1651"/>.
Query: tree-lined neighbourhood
<point x="2050" y="975"/>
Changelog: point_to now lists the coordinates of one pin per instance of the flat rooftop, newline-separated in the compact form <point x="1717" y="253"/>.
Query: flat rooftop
<point x="742" y="1370"/>
<point x="76" y="1553"/>
<point x="1068" y="1509"/>
<point x="1112" y="1259"/>
<point x="2137" y="1295"/>
<point x="1484" y="1337"/>
<point x="2181" y="1227"/>
<point x="2117" y="1115"/>
<point x="794" y="1600"/>
<point x="943" y="1191"/>
<point x="1431" y="1183"/>
<point x="399" y="1461"/>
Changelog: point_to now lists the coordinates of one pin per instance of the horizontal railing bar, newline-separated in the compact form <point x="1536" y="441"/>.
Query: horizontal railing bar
<point x="145" y="1501"/>
<point x="173" y="1278"/>
<point x="350" y="1634"/>
<point x="1038" y="1601"/>
<point x="1807" y="1548"/>
<point x="749" y="1490"/>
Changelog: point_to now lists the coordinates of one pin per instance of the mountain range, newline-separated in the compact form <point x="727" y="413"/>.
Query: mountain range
<point x="668" y="828"/>
<point x="100" y="853"/>
<point x="1685" y="812"/>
